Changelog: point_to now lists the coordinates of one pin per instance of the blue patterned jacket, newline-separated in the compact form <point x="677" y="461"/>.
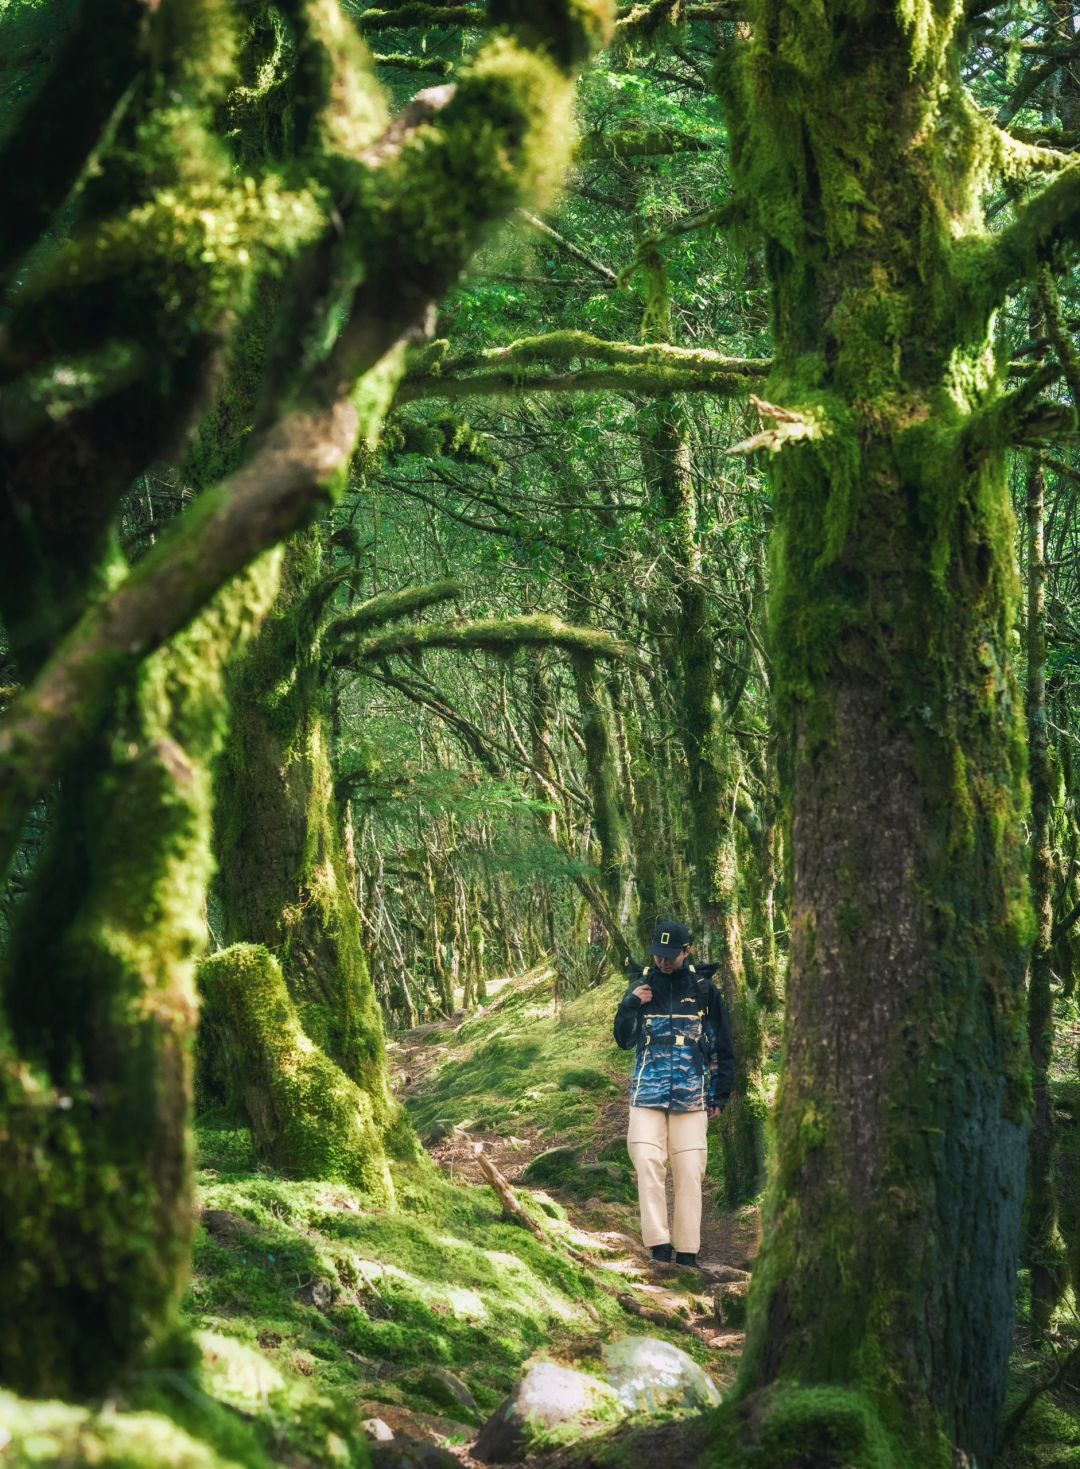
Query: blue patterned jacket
<point x="685" y="1058"/>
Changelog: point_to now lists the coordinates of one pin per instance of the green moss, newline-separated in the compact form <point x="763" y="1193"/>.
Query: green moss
<point x="507" y="1063"/>
<point x="569" y="30"/>
<point x="367" y="1299"/>
<point x="284" y="877"/>
<point x="95" y="1042"/>
<point x="308" y="1118"/>
<point x="564" y="1169"/>
<point x="830" y="1427"/>
<point x="1066" y="1101"/>
<point x="50" y="1433"/>
<point x="507" y="131"/>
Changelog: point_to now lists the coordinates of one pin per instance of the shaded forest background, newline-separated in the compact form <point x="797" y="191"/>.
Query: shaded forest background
<point x="392" y="600"/>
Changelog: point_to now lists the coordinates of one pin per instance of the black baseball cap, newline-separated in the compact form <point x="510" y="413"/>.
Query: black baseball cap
<point x="670" y="939"/>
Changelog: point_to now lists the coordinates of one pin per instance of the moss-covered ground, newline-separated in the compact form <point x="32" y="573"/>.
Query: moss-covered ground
<point x="310" y="1310"/>
<point x="540" y="1083"/>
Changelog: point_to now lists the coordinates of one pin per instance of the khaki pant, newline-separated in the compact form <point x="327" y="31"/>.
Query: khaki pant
<point x="652" y="1137"/>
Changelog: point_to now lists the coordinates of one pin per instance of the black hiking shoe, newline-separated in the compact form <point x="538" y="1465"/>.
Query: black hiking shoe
<point x="662" y="1254"/>
<point x="685" y="1258"/>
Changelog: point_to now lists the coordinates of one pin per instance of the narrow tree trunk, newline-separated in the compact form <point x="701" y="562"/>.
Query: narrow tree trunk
<point x="654" y="878"/>
<point x="1042" y="1244"/>
<point x="605" y="784"/>
<point x="715" y="775"/>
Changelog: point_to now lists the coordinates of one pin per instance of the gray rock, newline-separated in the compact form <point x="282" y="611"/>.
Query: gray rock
<point x="550" y="1405"/>
<point x="649" y="1374"/>
<point x="375" y="1428"/>
<point x="725" y="1273"/>
<point x="318" y="1293"/>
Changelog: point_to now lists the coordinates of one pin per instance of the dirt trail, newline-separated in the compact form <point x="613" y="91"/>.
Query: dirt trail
<point x="606" y="1232"/>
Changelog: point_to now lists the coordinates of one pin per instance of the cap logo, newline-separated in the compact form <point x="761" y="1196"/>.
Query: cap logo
<point x="665" y="937"/>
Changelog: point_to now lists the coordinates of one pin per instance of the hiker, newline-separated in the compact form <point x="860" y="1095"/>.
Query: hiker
<point x="675" y="1016"/>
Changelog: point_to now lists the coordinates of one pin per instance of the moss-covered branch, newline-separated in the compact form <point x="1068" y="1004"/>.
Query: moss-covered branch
<point x="652" y="382"/>
<point x="632" y="16"/>
<point x="641" y="143"/>
<point x="404" y="61"/>
<point x="415" y="15"/>
<point x="1013" y="257"/>
<point x="1052" y="137"/>
<point x="418" y="16"/>
<point x="296" y="468"/>
<point x="654" y="368"/>
<point x="487" y="635"/>
<point x="505" y="126"/>
<point x="388" y="606"/>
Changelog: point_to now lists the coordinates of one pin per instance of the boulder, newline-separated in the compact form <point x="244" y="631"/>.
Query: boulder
<point x="409" y="1423"/>
<point x="648" y="1374"/>
<point x="725" y="1273"/>
<point x="550" y="1405"/>
<point x="318" y="1293"/>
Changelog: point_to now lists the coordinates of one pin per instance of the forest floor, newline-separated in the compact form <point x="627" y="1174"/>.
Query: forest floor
<point x="540" y="1087"/>
<point x="311" y="1313"/>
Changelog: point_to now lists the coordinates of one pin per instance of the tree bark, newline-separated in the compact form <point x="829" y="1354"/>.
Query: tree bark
<point x="97" y="1018"/>
<point x="893" y="1221"/>
<point x="284" y="881"/>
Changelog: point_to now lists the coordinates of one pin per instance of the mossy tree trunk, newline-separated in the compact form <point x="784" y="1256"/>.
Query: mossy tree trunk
<point x="610" y="819"/>
<point x="307" y="1117"/>
<point x="97" y="1018"/>
<point x="109" y="348"/>
<point x="893" y="1221"/>
<point x="284" y="879"/>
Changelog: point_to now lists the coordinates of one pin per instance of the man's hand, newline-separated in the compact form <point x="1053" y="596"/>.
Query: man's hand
<point x="714" y="1113"/>
<point x="643" y="992"/>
